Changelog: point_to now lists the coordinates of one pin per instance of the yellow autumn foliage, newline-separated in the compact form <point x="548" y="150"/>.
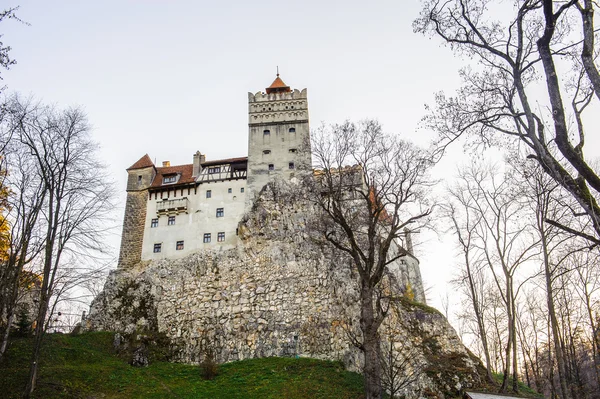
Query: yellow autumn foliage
<point x="4" y="227"/>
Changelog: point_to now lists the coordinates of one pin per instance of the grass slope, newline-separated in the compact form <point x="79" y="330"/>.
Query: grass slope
<point x="84" y="366"/>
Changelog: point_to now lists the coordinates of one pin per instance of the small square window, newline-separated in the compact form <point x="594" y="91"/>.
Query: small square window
<point x="229" y="190"/>
<point x="271" y="166"/>
<point x="242" y="190"/>
<point x="154" y="223"/>
<point x="179" y="245"/>
<point x="208" y="193"/>
<point x="266" y="152"/>
<point x="206" y="238"/>
<point x="169" y="179"/>
<point x="221" y="236"/>
<point x="220" y="212"/>
<point x="214" y="169"/>
<point x="293" y="150"/>
<point x="171" y="221"/>
<point x="291" y="165"/>
<point x="157" y="248"/>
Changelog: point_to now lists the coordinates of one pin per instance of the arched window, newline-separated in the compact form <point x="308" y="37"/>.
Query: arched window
<point x="292" y="130"/>
<point x="266" y="132"/>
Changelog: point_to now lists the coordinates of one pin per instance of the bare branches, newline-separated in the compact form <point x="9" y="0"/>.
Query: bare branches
<point x="369" y="187"/>
<point x="494" y="104"/>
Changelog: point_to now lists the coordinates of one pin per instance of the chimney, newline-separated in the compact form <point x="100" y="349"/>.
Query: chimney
<point x="166" y="164"/>
<point x="199" y="159"/>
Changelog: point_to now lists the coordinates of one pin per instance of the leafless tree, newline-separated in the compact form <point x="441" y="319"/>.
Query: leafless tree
<point x="465" y="220"/>
<point x="77" y="196"/>
<point x="25" y="203"/>
<point x="500" y="236"/>
<point x="5" y="60"/>
<point x="502" y="97"/>
<point x="370" y="186"/>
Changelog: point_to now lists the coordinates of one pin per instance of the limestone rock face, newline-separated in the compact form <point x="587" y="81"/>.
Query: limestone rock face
<point x="276" y="294"/>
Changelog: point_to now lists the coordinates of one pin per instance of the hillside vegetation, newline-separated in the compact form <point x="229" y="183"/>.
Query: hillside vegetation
<point x="85" y="366"/>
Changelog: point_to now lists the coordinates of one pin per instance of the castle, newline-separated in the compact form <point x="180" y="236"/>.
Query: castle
<point x="172" y="211"/>
<point x="213" y="255"/>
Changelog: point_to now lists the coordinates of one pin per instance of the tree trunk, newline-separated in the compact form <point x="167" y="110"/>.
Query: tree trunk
<point x="371" y="344"/>
<point x="553" y="320"/>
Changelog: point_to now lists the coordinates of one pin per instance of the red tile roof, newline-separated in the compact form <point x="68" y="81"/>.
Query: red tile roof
<point x="143" y="162"/>
<point x="185" y="172"/>
<point x="278" y="86"/>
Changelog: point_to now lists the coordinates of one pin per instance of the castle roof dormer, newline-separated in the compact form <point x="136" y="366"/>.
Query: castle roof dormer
<point x="278" y="86"/>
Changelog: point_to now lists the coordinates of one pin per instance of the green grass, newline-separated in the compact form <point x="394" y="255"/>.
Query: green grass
<point x="524" y="390"/>
<point x="84" y="366"/>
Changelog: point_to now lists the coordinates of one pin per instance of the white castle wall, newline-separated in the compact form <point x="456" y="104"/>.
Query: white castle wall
<point x="199" y="219"/>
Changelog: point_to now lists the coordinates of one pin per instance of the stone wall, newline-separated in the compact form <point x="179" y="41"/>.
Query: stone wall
<point x="133" y="228"/>
<point x="276" y="294"/>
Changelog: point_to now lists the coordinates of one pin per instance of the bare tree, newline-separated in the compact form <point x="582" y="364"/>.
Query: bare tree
<point x="77" y="196"/>
<point x="5" y="60"/>
<point x="464" y="225"/>
<point x="364" y="210"/>
<point x="24" y="241"/>
<point x="503" y="240"/>
<point x="500" y="95"/>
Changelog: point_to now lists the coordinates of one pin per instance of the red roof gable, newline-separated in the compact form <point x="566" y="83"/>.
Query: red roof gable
<point x="278" y="86"/>
<point x="143" y="162"/>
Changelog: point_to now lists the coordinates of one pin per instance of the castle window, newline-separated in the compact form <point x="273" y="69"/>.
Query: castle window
<point x="169" y="179"/>
<point x="221" y="236"/>
<point x="220" y="212"/>
<point x="208" y="193"/>
<point x="293" y="150"/>
<point x="266" y="132"/>
<point x="229" y="190"/>
<point x="140" y="179"/>
<point x="206" y="238"/>
<point x="171" y="221"/>
<point x="266" y="152"/>
<point x="214" y="169"/>
<point x="292" y="130"/>
<point x="291" y="165"/>
<point x="157" y="248"/>
<point x="179" y="245"/>
<point x="154" y="223"/>
<point x="271" y="166"/>
<point x="242" y="190"/>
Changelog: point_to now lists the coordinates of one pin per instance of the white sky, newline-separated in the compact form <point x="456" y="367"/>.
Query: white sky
<point x="168" y="78"/>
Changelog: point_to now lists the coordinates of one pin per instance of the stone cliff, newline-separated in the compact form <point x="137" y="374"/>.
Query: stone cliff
<point x="277" y="294"/>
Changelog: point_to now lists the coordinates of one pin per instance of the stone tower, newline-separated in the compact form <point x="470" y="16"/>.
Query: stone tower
<point x="140" y="177"/>
<point x="278" y="137"/>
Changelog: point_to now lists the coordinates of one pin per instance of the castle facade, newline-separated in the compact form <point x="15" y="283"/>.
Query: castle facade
<point x="172" y="211"/>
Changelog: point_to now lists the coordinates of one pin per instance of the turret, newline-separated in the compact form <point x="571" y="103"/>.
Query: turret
<point x="140" y="177"/>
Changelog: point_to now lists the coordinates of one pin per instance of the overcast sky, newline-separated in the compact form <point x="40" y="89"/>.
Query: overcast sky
<point x="168" y="78"/>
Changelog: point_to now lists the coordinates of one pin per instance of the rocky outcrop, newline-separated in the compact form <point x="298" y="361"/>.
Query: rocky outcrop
<point x="276" y="294"/>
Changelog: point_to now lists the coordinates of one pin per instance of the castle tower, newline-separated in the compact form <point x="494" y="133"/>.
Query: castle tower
<point x="140" y="177"/>
<point x="279" y="136"/>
